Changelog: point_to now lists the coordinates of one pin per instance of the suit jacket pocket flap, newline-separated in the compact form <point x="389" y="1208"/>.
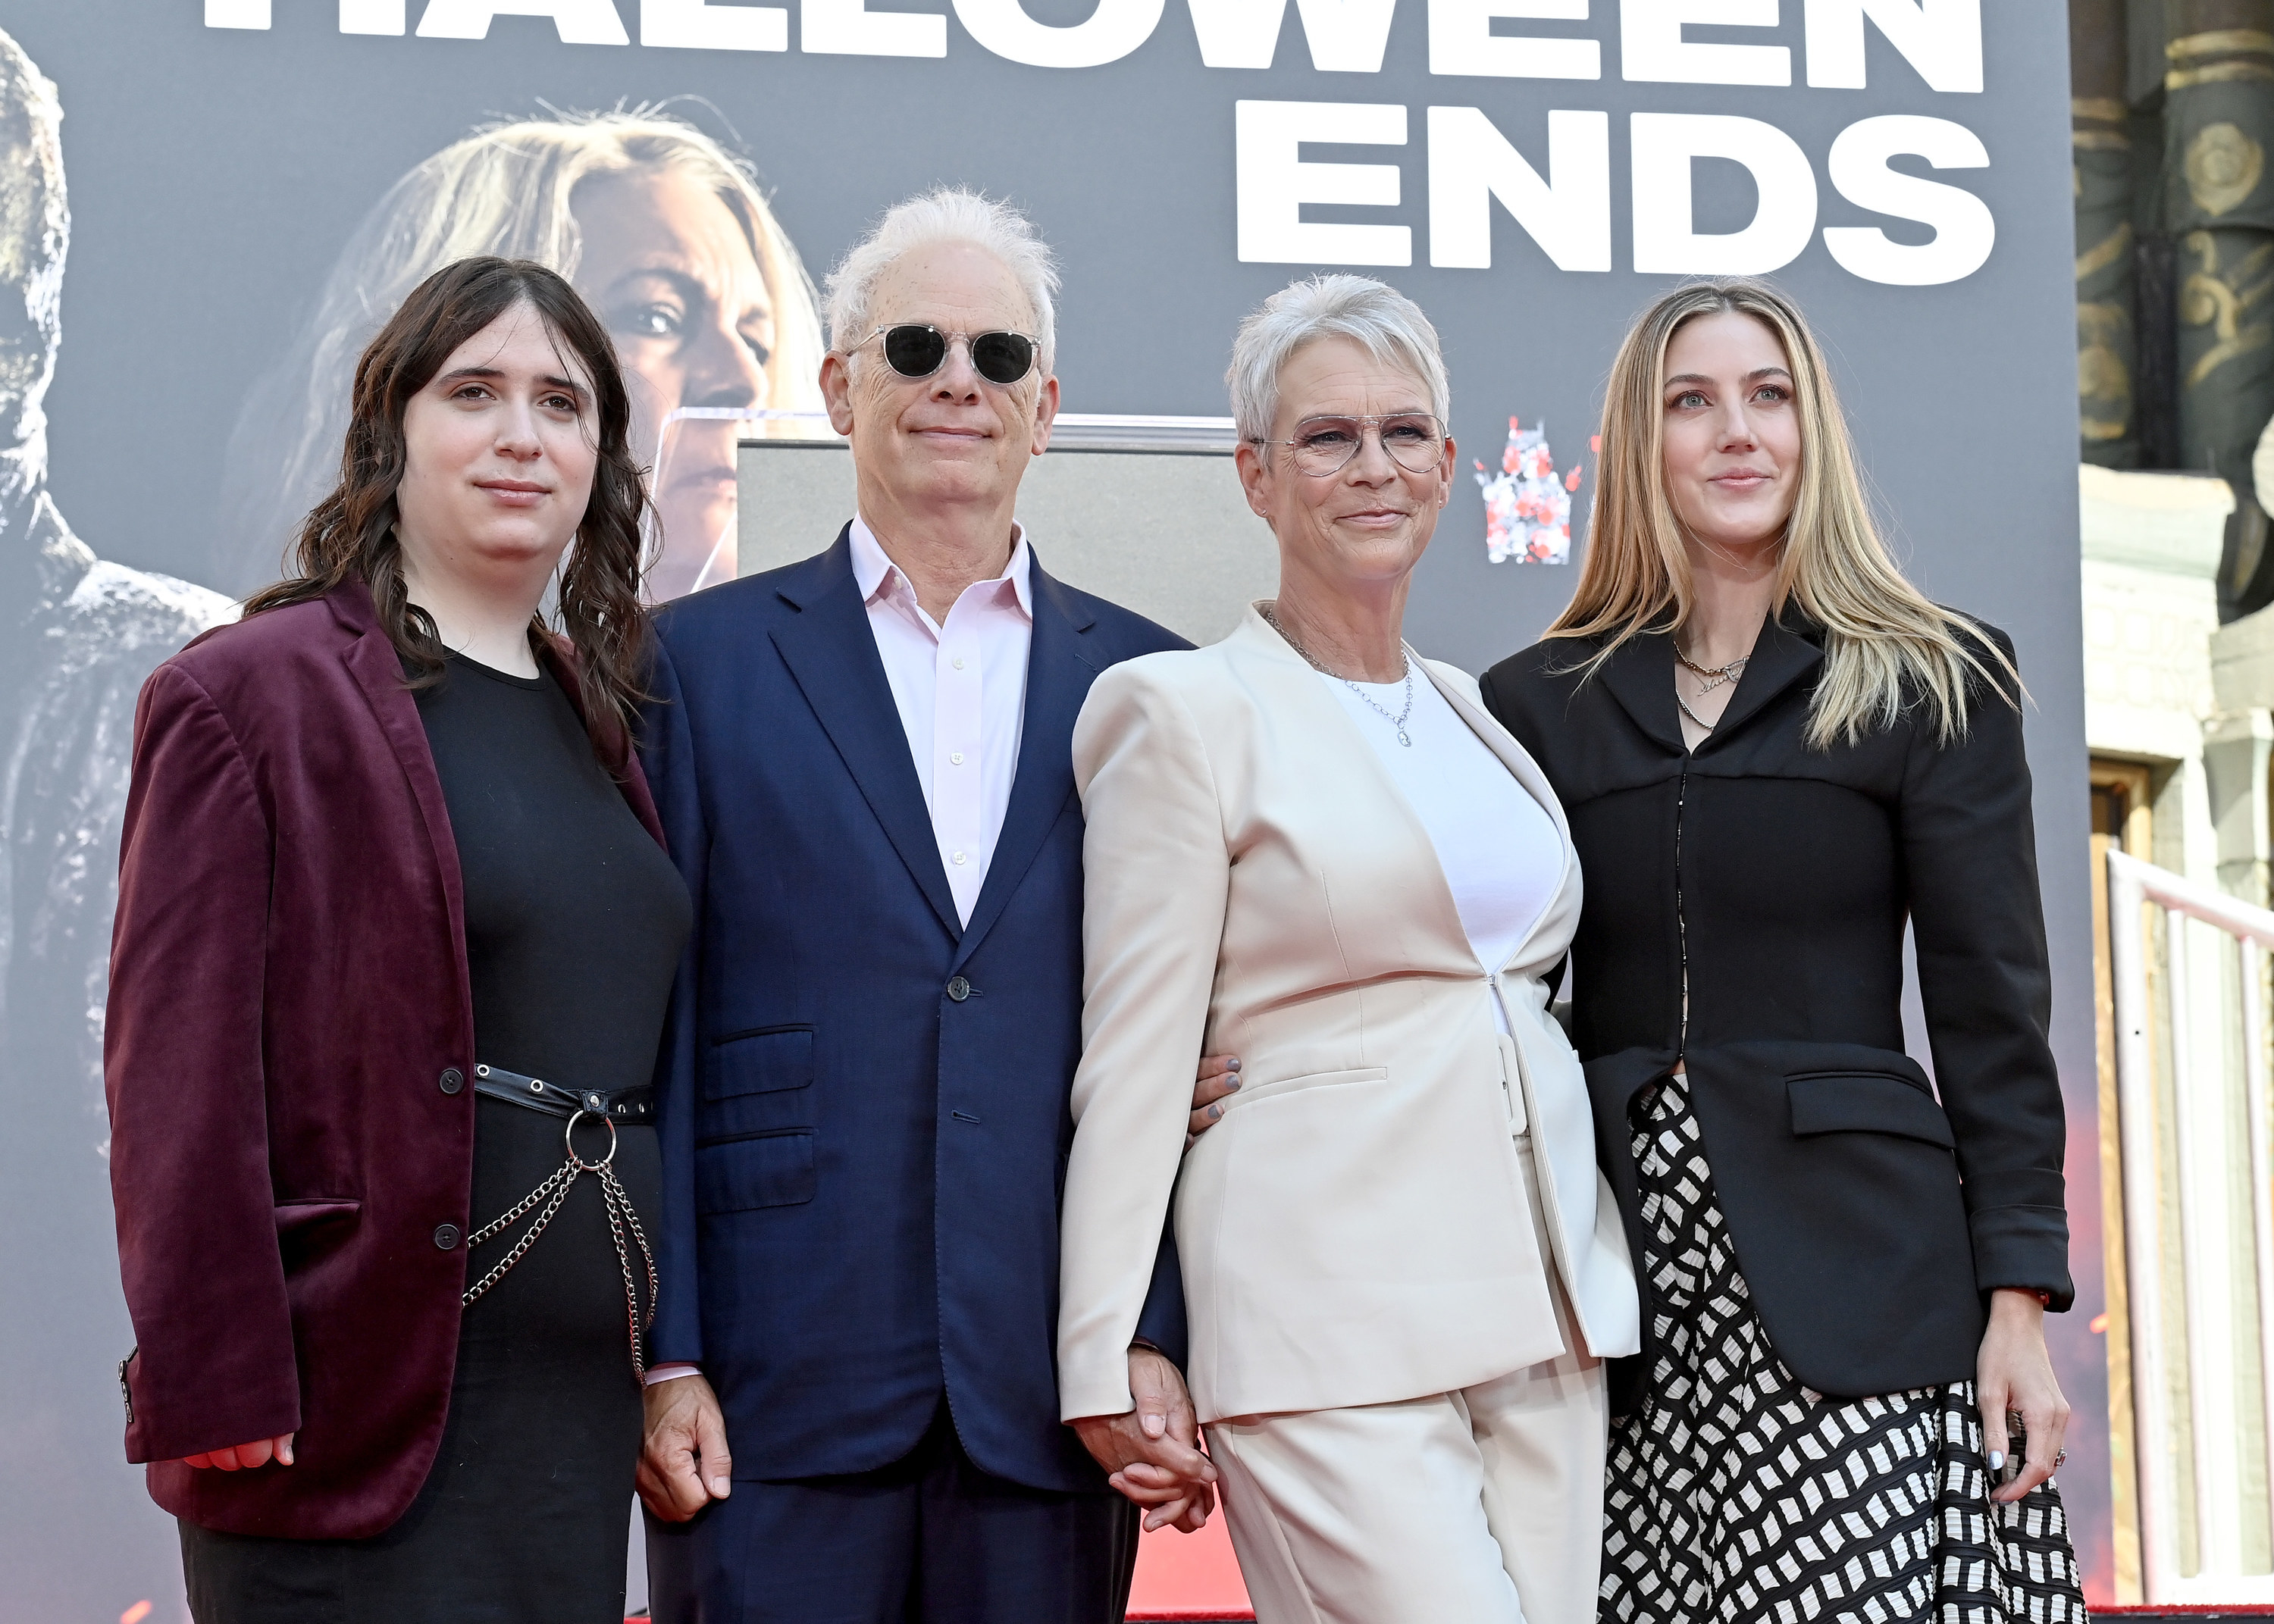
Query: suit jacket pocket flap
<point x="1256" y="1094"/>
<point x="1866" y="1102"/>
<point x="765" y="1060"/>
<point x="737" y="1173"/>
<point x="307" y="1212"/>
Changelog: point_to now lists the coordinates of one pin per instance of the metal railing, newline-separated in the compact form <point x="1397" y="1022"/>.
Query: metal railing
<point x="2188" y="971"/>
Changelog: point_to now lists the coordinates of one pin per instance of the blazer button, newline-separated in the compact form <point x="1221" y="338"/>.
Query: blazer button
<point x="453" y="1080"/>
<point x="959" y="989"/>
<point x="446" y="1236"/>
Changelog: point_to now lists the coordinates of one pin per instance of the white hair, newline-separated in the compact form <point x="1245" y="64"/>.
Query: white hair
<point x="944" y="214"/>
<point x="1382" y="321"/>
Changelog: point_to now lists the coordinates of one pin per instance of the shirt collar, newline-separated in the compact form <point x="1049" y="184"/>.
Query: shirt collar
<point x="877" y="576"/>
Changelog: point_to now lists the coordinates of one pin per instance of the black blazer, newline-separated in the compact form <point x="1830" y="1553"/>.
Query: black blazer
<point x="1870" y="1219"/>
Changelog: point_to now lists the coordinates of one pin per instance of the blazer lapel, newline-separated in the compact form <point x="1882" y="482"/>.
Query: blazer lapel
<point x="631" y="779"/>
<point x="1058" y="675"/>
<point x="831" y="654"/>
<point x="371" y="659"/>
<point x="1782" y="655"/>
<point x="1640" y="677"/>
<point x="1345" y="769"/>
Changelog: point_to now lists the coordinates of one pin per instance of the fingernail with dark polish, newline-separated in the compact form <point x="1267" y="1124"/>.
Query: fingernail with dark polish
<point x="1214" y="1111"/>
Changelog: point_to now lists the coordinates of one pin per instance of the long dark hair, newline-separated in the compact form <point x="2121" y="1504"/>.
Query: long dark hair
<point x="350" y="536"/>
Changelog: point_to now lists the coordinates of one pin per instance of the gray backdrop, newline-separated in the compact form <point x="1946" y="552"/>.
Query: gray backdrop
<point x="214" y="174"/>
<point x="1167" y="535"/>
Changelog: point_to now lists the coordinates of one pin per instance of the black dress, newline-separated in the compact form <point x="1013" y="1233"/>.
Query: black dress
<point x="575" y="918"/>
<point x="1815" y="1222"/>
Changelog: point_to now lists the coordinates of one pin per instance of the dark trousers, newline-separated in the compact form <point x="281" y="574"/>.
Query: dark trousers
<point x="930" y="1540"/>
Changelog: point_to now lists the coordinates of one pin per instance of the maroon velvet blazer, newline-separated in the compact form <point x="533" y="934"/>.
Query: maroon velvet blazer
<point x="287" y="1059"/>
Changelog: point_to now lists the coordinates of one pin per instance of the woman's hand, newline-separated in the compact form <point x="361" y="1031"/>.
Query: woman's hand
<point x="1151" y="1454"/>
<point x="1219" y="1075"/>
<point x="2015" y="1373"/>
<point x="245" y="1457"/>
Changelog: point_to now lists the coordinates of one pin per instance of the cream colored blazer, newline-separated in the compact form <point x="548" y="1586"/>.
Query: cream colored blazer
<point x="1356" y="1230"/>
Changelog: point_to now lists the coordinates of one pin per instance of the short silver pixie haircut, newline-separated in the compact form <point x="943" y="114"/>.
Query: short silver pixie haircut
<point x="1390" y="326"/>
<point x="944" y="214"/>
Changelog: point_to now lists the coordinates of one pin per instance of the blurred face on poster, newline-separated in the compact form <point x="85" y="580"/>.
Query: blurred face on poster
<point x="34" y="224"/>
<point x="673" y="273"/>
<point x="667" y="237"/>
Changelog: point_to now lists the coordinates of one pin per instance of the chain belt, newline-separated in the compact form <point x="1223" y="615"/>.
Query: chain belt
<point x="627" y="1104"/>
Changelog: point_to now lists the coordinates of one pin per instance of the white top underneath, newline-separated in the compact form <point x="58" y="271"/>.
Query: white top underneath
<point x="1500" y="851"/>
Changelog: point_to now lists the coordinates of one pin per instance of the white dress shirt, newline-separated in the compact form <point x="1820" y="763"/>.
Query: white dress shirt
<point x="961" y="689"/>
<point x="1501" y="853"/>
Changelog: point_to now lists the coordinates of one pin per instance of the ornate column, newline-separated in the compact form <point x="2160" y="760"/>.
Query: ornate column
<point x="2218" y="202"/>
<point x="2106" y="343"/>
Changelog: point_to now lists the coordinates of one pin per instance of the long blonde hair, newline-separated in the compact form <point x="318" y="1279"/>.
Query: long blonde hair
<point x="503" y="191"/>
<point x="1886" y="646"/>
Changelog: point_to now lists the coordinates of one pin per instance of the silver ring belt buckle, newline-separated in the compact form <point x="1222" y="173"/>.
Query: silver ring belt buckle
<point x="569" y="1134"/>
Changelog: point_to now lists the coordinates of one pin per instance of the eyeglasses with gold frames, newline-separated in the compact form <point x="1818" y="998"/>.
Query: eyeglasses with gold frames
<point x="1322" y="446"/>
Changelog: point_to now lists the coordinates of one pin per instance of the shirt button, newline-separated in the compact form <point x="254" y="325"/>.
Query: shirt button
<point x="959" y="860"/>
<point x="446" y="1236"/>
<point x="452" y="1081"/>
<point x="958" y="662"/>
<point x="955" y="758"/>
<point x="959" y="989"/>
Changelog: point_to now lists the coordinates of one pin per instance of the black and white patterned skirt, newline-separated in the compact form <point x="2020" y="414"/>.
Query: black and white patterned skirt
<point x="1737" y="1496"/>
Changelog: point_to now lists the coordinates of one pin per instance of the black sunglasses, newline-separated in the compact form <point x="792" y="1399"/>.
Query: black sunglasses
<point x="918" y="351"/>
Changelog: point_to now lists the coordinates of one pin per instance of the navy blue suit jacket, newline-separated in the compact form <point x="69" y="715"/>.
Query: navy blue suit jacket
<point x="864" y="1102"/>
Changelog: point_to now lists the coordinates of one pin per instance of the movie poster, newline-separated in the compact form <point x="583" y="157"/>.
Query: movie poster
<point x="208" y="206"/>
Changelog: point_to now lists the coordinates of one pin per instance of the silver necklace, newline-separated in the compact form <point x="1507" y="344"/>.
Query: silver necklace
<point x="1711" y="678"/>
<point x="1398" y="721"/>
<point x="1715" y="676"/>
